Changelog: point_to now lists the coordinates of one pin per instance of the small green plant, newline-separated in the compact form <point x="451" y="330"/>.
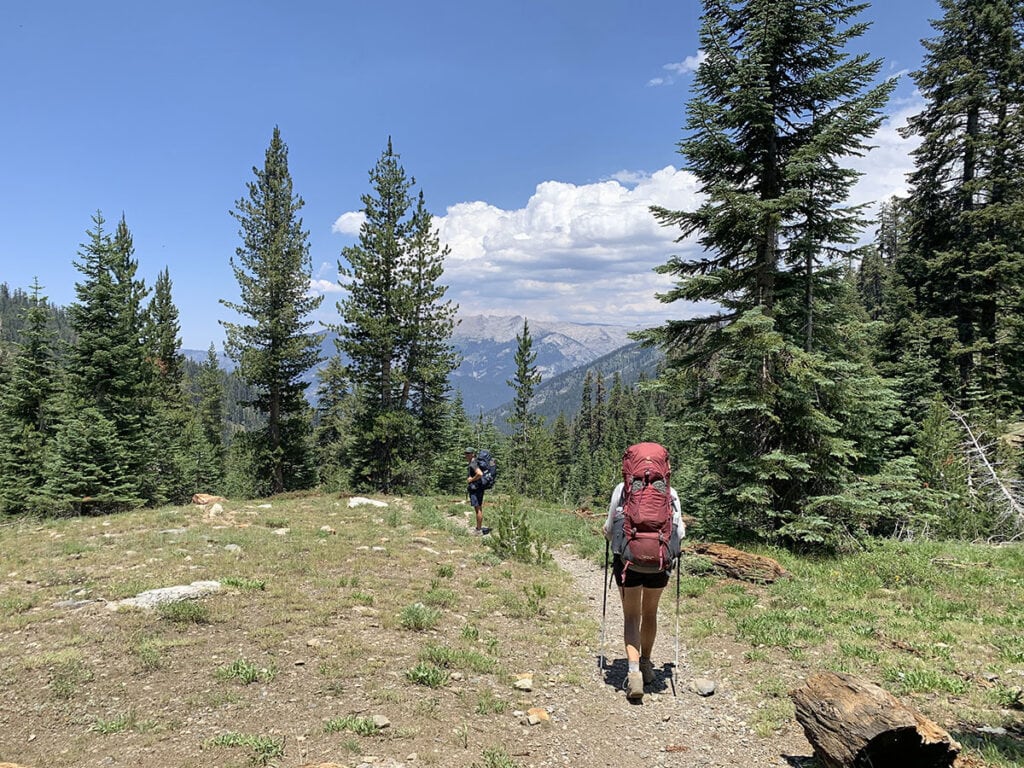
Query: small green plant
<point x="275" y="522"/>
<point x="147" y="650"/>
<point x="482" y="583"/>
<point x="470" y="632"/>
<point x="246" y="672"/>
<point x="488" y="704"/>
<point x="441" y="597"/>
<point x="496" y="757"/>
<point x="361" y="726"/>
<point x="241" y="583"/>
<point x="262" y="749"/>
<point x="513" y="538"/>
<point x="363" y="598"/>
<point x="919" y="679"/>
<point x="11" y="606"/>
<point x="67" y="676"/>
<point x="418" y="617"/>
<point x="184" y="612"/>
<point x="123" y="722"/>
<point x="429" y="675"/>
<point x="445" y="570"/>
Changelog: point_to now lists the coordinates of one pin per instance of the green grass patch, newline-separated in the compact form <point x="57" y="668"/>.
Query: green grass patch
<point x="238" y="582"/>
<point x="419" y="617"/>
<point x="427" y="674"/>
<point x="262" y="749"/>
<point x="184" y="612"/>
<point x="361" y="726"/>
<point x="246" y="672"/>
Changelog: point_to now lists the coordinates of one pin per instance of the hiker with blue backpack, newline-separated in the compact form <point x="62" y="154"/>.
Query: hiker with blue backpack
<point x="644" y="529"/>
<point x="481" y="472"/>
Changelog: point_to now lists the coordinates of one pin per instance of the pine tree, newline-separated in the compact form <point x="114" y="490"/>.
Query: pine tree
<point x="332" y="435"/>
<point x="778" y="105"/>
<point x="203" y="441"/>
<point x="169" y="418"/>
<point x="524" y="424"/>
<point x="274" y="349"/>
<point x="396" y="333"/>
<point x="966" y="239"/>
<point x="27" y="409"/>
<point x="109" y="374"/>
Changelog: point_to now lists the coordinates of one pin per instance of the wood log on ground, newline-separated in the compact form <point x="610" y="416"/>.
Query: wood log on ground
<point x="852" y="723"/>
<point x="738" y="564"/>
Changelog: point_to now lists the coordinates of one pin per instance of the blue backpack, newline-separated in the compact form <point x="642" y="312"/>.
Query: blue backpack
<point x="488" y="466"/>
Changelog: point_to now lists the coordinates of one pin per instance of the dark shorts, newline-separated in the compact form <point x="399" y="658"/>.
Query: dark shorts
<point x="476" y="497"/>
<point x="633" y="578"/>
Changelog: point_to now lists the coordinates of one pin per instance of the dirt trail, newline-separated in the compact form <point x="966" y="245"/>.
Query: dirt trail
<point x="674" y="725"/>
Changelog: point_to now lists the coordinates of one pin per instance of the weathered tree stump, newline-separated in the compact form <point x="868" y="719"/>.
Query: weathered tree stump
<point x="738" y="564"/>
<point x="854" y="724"/>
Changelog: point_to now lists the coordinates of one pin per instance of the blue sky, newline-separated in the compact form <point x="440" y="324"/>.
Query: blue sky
<point x="539" y="133"/>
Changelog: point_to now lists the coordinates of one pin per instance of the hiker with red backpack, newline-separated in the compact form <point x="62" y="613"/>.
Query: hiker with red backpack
<point x="644" y="527"/>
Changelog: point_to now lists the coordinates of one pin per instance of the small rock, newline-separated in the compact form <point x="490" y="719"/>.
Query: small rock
<point x="523" y="683"/>
<point x="281" y="531"/>
<point x="538" y="716"/>
<point x="381" y="722"/>
<point x="703" y="687"/>
<point x="232" y="548"/>
<point x="216" y="509"/>
<point x="358" y="501"/>
<point x="328" y="530"/>
<point x="265" y="506"/>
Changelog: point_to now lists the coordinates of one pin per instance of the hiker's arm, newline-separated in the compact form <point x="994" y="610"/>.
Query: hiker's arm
<point x="677" y="515"/>
<point x="473" y="478"/>
<point x="613" y="508"/>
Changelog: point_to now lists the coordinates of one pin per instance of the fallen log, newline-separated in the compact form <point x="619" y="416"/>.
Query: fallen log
<point x="852" y="723"/>
<point x="738" y="564"/>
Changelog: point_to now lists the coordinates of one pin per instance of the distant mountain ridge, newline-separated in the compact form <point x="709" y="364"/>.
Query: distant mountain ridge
<point x="564" y="392"/>
<point x="487" y="345"/>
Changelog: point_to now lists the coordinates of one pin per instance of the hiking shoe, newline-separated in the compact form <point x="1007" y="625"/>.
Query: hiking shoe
<point x="634" y="686"/>
<point x="484" y="531"/>
<point x="647" y="670"/>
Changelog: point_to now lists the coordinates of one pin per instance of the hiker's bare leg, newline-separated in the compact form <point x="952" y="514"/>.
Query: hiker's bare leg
<point x="480" y="516"/>
<point x="648" y="620"/>
<point x="632" y="600"/>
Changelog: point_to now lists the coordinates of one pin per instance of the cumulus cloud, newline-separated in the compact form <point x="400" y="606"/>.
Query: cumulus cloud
<point x="349" y="223"/>
<point x="587" y="253"/>
<point x="584" y="253"/>
<point x="677" y="69"/>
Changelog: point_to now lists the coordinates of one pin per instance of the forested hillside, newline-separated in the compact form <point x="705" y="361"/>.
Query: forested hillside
<point x="847" y="377"/>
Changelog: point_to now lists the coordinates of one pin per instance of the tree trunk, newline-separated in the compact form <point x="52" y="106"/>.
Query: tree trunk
<point x="853" y="724"/>
<point x="738" y="564"/>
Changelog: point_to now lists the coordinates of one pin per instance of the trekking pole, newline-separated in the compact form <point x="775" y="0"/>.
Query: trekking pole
<point x="675" y="669"/>
<point x="604" y="605"/>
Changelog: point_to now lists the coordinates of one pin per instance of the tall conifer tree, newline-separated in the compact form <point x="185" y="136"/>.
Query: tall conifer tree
<point x="778" y="104"/>
<point x="274" y="349"/>
<point x="27" y="409"/>
<point x="965" y="261"/>
<point x="396" y="333"/>
<point x="523" y="423"/>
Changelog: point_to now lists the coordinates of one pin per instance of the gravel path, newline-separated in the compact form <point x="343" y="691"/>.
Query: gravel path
<point x="674" y="726"/>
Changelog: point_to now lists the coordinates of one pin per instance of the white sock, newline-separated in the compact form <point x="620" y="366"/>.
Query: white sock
<point x="634" y="666"/>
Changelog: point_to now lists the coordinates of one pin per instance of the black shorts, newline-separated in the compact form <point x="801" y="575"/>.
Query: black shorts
<point x="633" y="578"/>
<point x="476" y="497"/>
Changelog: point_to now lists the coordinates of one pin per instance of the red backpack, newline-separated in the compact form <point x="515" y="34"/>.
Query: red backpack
<point x="649" y="543"/>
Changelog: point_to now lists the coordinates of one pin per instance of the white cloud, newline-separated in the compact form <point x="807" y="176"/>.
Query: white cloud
<point x="349" y="223"/>
<point x="582" y="253"/>
<point x="324" y="286"/>
<point x="678" y="69"/>
<point x="586" y="253"/>
<point x="687" y="65"/>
